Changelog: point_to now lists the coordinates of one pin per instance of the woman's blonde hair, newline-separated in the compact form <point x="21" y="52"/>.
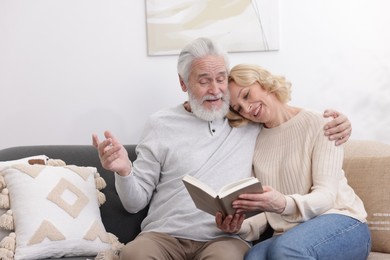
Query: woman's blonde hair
<point x="247" y="74"/>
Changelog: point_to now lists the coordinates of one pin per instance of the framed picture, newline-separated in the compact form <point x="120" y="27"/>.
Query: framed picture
<point x="238" y="25"/>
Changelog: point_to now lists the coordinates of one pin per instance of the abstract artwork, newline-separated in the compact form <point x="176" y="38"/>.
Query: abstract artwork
<point x="238" y="25"/>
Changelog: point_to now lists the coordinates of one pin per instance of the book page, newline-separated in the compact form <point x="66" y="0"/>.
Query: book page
<point x="236" y="186"/>
<point x="199" y="185"/>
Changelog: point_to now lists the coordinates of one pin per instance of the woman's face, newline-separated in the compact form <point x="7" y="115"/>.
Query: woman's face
<point x="252" y="102"/>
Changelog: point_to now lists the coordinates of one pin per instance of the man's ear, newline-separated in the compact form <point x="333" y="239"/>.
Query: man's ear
<point x="182" y="84"/>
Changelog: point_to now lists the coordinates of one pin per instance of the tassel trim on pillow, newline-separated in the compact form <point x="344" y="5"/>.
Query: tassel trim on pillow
<point x="7" y="247"/>
<point x="114" y="252"/>
<point x="2" y="182"/>
<point x="7" y="221"/>
<point x="9" y="242"/>
<point x="6" y="254"/>
<point x="101" y="197"/>
<point x="100" y="182"/>
<point x="4" y="199"/>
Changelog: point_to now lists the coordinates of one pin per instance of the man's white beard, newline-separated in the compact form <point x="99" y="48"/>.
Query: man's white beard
<point x="209" y="114"/>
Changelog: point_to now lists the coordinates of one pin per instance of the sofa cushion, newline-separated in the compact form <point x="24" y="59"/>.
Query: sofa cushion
<point x="367" y="167"/>
<point x="55" y="211"/>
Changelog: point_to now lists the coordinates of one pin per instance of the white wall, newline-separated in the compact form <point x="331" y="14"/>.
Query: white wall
<point x="69" y="68"/>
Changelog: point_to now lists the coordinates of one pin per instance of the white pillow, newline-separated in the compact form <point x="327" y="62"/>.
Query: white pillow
<point x="55" y="211"/>
<point x="5" y="164"/>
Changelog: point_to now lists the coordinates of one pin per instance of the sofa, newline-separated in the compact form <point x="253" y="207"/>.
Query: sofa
<point x="366" y="165"/>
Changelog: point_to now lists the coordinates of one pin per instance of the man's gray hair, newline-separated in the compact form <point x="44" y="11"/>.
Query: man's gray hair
<point x="196" y="49"/>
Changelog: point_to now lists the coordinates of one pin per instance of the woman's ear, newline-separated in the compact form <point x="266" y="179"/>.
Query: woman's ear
<point x="182" y="84"/>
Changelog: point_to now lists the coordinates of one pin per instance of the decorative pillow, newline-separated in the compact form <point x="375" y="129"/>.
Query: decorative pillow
<point x="4" y="164"/>
<point x="370" y="178"/>
<point x="54" y="211"/>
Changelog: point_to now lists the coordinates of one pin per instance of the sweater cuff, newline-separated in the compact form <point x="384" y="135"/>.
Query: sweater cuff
<point x="253" y="227"/>
<point x="290" y="206"/>
<point x="127" y="177"/>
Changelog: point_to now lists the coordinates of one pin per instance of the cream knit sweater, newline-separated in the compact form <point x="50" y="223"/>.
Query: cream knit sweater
<point x="297" y="159"/>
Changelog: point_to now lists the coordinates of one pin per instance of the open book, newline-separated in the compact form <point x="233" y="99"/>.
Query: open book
<point x="206" y="199"/>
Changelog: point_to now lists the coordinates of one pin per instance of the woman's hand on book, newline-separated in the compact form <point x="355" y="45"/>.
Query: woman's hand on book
<point x="270" y="200"/>
<point x="229" y="224"/>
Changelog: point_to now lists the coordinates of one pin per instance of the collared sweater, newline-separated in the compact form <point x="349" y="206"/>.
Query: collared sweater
<point x="298" y="160"/>
<point x="175" y="143"/>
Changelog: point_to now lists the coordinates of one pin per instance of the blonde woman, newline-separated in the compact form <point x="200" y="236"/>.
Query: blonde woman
<point x="307" y="201"/>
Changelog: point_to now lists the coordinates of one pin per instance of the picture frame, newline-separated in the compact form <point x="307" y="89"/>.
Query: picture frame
<point x="238" y="25"/>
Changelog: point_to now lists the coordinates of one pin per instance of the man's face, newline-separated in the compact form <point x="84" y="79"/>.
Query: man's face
<point x="208" y="88"/>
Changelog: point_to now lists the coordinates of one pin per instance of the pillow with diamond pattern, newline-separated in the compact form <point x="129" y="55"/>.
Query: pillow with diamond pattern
<point x="55" y="212"/>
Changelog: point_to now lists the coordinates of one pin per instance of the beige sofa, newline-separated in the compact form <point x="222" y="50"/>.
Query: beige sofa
<point x="367" y="167"/>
